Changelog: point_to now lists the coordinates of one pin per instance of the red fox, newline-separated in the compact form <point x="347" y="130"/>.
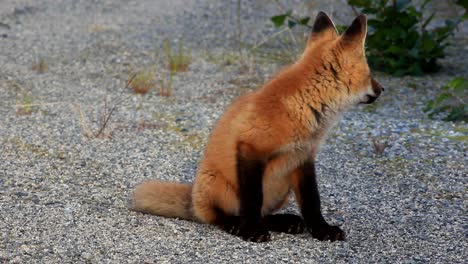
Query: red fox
<point x="266" y="142"/>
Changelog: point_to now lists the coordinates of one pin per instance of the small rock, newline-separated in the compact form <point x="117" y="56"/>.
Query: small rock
<point x="26" y="249"/>
<point x="21" y="194"/>
<point x="4" y="25"/>
<point x="86" y="255"/>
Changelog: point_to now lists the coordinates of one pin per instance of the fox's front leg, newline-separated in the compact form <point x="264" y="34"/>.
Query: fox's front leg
<point x="308" y="198"/>
<point x="250" y="225"/>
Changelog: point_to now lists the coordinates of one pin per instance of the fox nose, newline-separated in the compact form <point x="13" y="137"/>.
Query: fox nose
<point x="376" y="87"/>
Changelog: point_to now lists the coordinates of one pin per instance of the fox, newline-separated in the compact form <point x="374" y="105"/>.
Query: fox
<point x="265" y="144"/>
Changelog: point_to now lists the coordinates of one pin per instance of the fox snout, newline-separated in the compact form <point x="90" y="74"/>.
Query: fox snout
<point x="377" y="89"/>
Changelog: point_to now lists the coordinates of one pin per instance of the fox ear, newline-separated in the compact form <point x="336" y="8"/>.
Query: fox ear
<point x="356" y="33"/>
<point x="323" y="27"/>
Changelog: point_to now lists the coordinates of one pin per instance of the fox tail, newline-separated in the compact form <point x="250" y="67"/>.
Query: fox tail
<point x="169" y="199"/>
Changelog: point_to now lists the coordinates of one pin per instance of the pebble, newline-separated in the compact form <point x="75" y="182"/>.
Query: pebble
<point x="86" y="256"/>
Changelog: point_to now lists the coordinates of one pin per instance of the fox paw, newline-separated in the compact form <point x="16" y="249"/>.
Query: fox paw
<point x="255" y="235"/>
<point x="286" y="223"/>
<point x="327" y="232"/>
<point x="248" y="232"/>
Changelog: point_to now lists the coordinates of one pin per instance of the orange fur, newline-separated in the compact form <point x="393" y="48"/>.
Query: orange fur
<point x="283" y="124"/>
<point x="173" y="199"/>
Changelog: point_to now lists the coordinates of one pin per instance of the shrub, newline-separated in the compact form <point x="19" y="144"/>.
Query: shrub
<point x="25" y="104"/>
<point x="451" y="101"/>
<point x="398" y="40"/>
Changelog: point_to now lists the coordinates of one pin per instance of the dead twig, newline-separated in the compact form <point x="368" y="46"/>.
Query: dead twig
<point x="106" y="115"/>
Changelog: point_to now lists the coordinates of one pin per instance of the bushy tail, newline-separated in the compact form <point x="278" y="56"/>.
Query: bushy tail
<point x="169" y="199"/>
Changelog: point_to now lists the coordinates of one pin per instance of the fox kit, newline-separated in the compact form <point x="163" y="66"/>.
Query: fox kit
<point x="266" y="142"/>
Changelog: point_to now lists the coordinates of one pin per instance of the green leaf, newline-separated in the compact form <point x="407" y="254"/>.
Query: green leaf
<point x="279" y="19"/>
<point x="304" y="21"/>
<point x="398" y="42"/>
<point x="414" y="13"/>
<point x="394" y="49"/>
<point x="459" y="84"/>
<point x="360" y="3"/>
<point x="429" y="106"/>
<point x="456" y="114"/>
<point x="341" y="28"/>
<point x="442" y="97"/>
<point x="291" y="23"/>
<point x="463" y="3"/>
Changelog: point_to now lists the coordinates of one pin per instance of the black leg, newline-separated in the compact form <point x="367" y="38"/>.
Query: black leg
<point x="229" y="223"/>
<point x="285" y="223"/>
<point x="310" y="206"/>
<point x="250" y="224"/>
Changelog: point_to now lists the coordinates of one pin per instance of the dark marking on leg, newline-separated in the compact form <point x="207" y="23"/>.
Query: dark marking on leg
<point x="310" y="206"/>
<point x="229" y="223"/>
<point x="250" y="173"/>
<point x="285" y="223"/>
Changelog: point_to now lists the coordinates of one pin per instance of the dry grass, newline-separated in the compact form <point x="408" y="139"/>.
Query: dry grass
<point x="282" y="47"/>
<point x="142" y="82"/>
<point x="165" y="85"/>
<point x="25" y="105"/>
<point x="104" y="119"/>
<point x="98" y="28"/>
<point x="178" y="61"/>
<point x="40" y="65"/>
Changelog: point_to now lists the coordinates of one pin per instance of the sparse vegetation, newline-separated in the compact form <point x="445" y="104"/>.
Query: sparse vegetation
<point x="451" y="103"/>
<point x="165" y="85"/>
<point x="40" y="65"/>
<point x="398" y="40"/>
<point x="98" y="28"/>
<point x="372" y="108"/>
<point x="103" y="121"/>
<point x="178" y="61"/>
<point x="37" y="150"/>
<point x="25" y="104"/>
<point x="223" y="59"/>
<point x="290" y="47"/>
<point x="142" y="82"/>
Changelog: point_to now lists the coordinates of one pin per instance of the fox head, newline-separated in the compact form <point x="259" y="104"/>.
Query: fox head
<point x="342" y="60"/>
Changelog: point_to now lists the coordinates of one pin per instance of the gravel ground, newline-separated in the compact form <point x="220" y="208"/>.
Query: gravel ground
<point x="63" y="195"/>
